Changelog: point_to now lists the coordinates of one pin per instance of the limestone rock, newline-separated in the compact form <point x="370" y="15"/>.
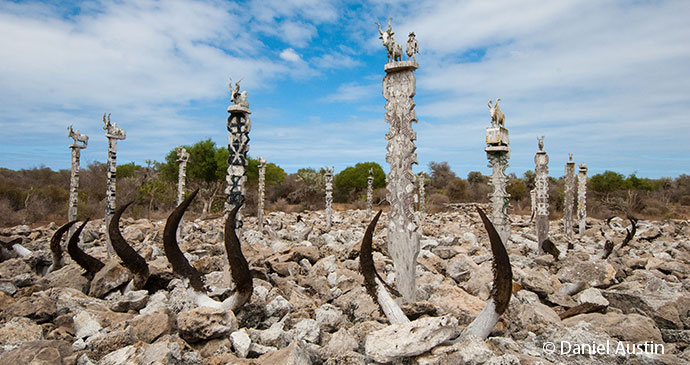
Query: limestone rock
<point x="162" y="352"/>
<point x="205" y="323"/>
<point x="409" y="339"/>
<point x="20" y="330"/>
<point x="149" y="327"/>
<point x="295" y="354"/>
<point x="595" y="274"/>
<point x="85" y="325"/>
<point x="241" y="342"/>
<point x="626" y="327"/>
<point x="38" y="352"/>
<point x="593" y="295"/>
<point x="134" y="300"/>
<point x="111" y="276"/>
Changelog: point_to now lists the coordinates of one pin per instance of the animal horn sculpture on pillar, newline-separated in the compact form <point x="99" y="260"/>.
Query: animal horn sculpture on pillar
<point x="113" y="133"/>
<point x="238" y="126"/>
<point x="399" y="88"/>
<point x="498" y="152"/>
<point x="79" y="142"/>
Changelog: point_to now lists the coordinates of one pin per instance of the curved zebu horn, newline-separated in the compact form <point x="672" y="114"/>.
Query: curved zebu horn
<point x="178" y="261"/>
<point x="130" y="258"/>
<point x="239" y="267"/>
<point x="375" y="286"/>
<point x="56" y="247"/>
<point x="502" y="286"/>
<point x="630" y="233"/>
<point x="8" y="245"/>
<point x="549" y="247"/>
<point x="89" y="263"/>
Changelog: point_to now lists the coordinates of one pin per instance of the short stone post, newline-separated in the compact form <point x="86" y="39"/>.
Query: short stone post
<point x="498" y="152"/>
<point x="238" y="126"/>
<point x="422" y="193"/>
<point x="329" y="195"/>
<point x="370" y="191"/>
<point x="582" y="198"/>
<point x="569" y="199"/>
<point x="262" y="182"/>
<point x="541" y="161"/>
<point x="399" y="87"/>
<point x="113" y="133"/>
<point x="74" y="174"/>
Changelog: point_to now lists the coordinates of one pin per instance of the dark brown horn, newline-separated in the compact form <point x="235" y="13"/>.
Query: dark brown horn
<point x="366" y="261"/>
<point x="179" y="263"/>
<point x="630" y="233"/>
<point x="130" y="258"/>
<point x="8" y="245"/>
<point x="89" y="263"/>
<point x="549" y="247"/>
<point x="55" y="246"/>
<point x="239" y="268"/>
<point x="503" y="273"/>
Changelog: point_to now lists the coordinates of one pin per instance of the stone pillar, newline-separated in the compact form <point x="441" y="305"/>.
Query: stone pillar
<point x="422" y="193"/>
<point x="370" y="191"/>
<point x="498" y="152"/>
<point x="182" y="158"/>
<point x="399" y="87"/>
<point x="238" y="126"/>
<point x="329" y="195"/>
<point x="541" y="161"/>
<point x="113" y="133"/>
<point x="262" y="182"/>
<point x="533" y="202"/>
<point x="569" y="199"/>
<point x="74" y="174"/>
<point x="582" y="197"/>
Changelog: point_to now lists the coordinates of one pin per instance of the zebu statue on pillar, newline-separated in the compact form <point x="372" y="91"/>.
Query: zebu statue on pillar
<point x="394" y="48"/>
<point x="236" y="97"/>
<point x="497" y="116"/>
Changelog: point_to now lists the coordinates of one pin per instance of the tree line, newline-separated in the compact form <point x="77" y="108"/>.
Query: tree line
<point x="40" y="195"/>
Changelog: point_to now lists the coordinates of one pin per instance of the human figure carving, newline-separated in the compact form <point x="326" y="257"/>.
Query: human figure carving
<point x="77" y="137"/>
<point x="497" y="116"/>
<point x="412" y="47"/>
<point x="236" y="97"/>
<point x="394" y="48"/>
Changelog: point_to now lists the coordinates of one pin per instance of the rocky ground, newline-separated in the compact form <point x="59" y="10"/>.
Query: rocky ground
<point x="309" y="304"/>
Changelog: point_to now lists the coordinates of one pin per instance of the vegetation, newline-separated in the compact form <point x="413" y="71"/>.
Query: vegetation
<point x="40" y="195"/>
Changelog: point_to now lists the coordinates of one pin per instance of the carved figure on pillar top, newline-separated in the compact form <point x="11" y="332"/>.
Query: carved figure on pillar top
<point x="237" y="97"/>
<point x="182" y="154"/>
<point x="77" y="137"/>
<point x="393" y="48"/>
<point x="497" y="116"/>
<point x="412" y="47"/>
<point x="541" y="143"/>
<point x="112" y="130"/>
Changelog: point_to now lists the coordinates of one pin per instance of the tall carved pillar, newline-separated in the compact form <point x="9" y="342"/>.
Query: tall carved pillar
<point x="582" y="197"/>
<point x="329" y="195"/>
<point x="182" y="158"/>
<point x="114" y="133"/>
<point x="541" y="161"/>
<point x="370" y="191"/>
<point x="239" y="126"/>
<point x="399" y="87"/>
<point x="533" y="202"/>
<point x="422" y="193"/>
<point x="262" y="182"/>
<point x="74" y="174"/>
<point x="498" y="152"/>
<point x="569" y="199"/>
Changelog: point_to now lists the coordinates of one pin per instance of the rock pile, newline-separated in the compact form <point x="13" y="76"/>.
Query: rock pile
<point x="309" y="304"/>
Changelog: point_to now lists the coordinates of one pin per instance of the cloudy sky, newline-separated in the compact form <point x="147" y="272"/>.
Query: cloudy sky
<point x="607" y="81"/>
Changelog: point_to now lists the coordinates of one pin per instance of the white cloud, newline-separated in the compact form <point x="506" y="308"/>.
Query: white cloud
<point x="352" y="91"/>
<point x="289" y="54"/>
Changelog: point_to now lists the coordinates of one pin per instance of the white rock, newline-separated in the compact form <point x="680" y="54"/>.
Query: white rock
<point x="278" y="306"/>
<point x="85" y="325"/>
<point x="241" y="342"/>
<point x="410" y="338"/>
<point x="307" y="330"/>
<point x="593" y="295"/>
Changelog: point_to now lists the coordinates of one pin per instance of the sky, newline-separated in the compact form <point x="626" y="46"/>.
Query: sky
<point x="607" y="81"/>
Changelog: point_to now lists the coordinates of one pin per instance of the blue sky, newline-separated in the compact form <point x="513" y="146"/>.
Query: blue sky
<point x="607" y="81"/>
